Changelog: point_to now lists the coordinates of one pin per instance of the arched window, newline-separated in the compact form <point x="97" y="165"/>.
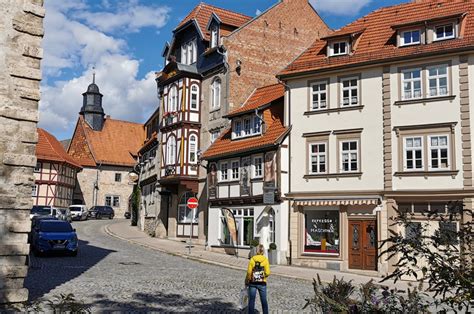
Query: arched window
<point x="216" y="94"/>
<point x="193" y="149"/>
<point x="171" y="151"/>
<point x="194" y="97"/>
<point x="173" y="96"/>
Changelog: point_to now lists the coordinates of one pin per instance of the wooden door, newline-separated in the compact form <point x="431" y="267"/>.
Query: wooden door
<point x="363" y="244"/>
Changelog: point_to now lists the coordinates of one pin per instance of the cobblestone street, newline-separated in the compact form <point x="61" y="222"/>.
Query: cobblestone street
<point x="111" y="274"/>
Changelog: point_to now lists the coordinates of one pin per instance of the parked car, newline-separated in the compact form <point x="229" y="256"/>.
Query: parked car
<point x="127" y="215"/>
<point x="78" y="212"/>
<point x="42" y="211"/>
<point x="35" y="222"/>
<point x="54" y="235"/>
<point x="98" y="212"/>
<point x="63" y="214"/>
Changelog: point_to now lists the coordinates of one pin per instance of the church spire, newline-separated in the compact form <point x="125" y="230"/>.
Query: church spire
<point x="92" y="110"/>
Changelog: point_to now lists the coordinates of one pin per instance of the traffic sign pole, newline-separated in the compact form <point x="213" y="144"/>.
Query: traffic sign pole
<point x="192" y="204"/>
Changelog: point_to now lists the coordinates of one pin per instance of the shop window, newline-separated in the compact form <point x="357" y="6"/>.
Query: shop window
<point x="447" y="233"/>
<point x="322" y="232"/>
<point x="185" y="214"/>
<point x="244" y="220"/>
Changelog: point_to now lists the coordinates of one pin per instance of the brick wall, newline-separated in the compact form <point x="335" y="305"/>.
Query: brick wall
<point x="268" y="44"/>
<point x="21" y="25"/>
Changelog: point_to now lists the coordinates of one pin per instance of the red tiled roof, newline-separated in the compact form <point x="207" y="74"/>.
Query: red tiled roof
<point x="261" y="96"/>
<point x="49" y="148"/>
<point x="203" y="11"/>
<point x="378" y="39"/>
<point x="224" y="145"/>
<point x="114" y="144"/>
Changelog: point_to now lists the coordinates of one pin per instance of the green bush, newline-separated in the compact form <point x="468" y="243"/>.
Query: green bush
<point x="254" y="243"/>
<point x="272" y="247"/>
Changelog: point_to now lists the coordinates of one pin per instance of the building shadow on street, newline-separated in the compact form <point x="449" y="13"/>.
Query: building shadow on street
<point x="49" y="271"/>
<point x="164" y="302"/>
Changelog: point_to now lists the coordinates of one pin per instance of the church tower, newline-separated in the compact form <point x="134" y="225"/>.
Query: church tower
<point x="92" y="110"/>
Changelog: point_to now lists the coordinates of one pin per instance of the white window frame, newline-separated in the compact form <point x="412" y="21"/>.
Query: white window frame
<point x="332" y="50"/>
<point x="412" y="81"/>
<point x="247" y="126"/>
<point x="235" y="175"/>
<point x="406" y="149"/>
<point x="318" y="94"/>
<point x="411" y="31"/>
<point x="237" y="132"/>
<point x="194" y="92"/>
<point x="350" y="89"/>
<point x="318" y="155"/>
<point x="184" y="53"/>
<point x="437" y="77"/>
<point x="34" y="190"/>
<point x="214" y="36"/>
<point x="115" y="198"/>
<point x="439" y="148"/>
<point x="224" y="175"/>
<point x="216" y="94"/>
<point x="435" y="33"/>
<point x="257" y="167"/>
<point x="171" y="150"/>
<point x="173" y="96"/>
<point x="214" y="135"/>
<point x="349" y="152"/>
<point x="257" y="125"/>
<point x="193" y="142"/>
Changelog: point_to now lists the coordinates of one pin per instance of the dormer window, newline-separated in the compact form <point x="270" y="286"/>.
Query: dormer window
<point x="443" y="32"/>
<point x="189" y="52"/>
<point x="339" y="48"/>
<point x="214" y="37"/>
<point x="411" y="37"/>
<point x="246" y="126"/>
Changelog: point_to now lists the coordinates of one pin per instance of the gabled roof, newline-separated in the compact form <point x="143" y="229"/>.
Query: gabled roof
<point x="260" y="97"/>
<point x="201" y="14"/>
<point x="50" y="149"/>
<point x="115" y="144"/>
<point x="377" y="41"/>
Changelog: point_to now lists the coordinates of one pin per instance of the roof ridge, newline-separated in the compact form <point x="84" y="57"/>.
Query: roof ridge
<point x="125" y="121"/>
<point x="91" y="149"/>
<point x="46" y="135"/>
<point x="220" y="8"/>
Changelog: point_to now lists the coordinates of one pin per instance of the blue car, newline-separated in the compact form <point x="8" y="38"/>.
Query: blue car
<point x="54" y="235"/>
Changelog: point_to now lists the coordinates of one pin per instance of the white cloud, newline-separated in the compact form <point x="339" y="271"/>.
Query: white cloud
<point x="339" y="7"/>
<point x="73" y="45"/>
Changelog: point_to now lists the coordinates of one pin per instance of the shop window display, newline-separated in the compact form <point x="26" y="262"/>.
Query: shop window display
<point x="322" y="232"/>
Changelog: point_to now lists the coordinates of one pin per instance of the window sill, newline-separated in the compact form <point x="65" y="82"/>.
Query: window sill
<point x="423" y="100"/>
<point x="339" y="109"/>
<point x="333" y="175"/>
<point x="452" y="173"/>
<point x="215" y="109"/>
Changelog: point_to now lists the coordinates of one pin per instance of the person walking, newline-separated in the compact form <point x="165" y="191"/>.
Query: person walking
<point x="258" y="271"/>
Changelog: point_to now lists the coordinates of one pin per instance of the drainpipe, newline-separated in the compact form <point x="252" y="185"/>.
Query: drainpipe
<point x="290" y="244"/>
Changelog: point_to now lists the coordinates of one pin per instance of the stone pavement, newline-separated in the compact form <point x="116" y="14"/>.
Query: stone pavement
<point x="122" y="229"/>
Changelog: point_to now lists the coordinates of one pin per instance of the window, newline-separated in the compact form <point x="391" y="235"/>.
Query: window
<point x="193" y="149"/>
<point x="224" y="169"/>
<point x="443" y="32"/>
<point x="439" y="152"/>
<point x="184" y="54"/>
<point x="318" y="158"/>
<point x="247" y="127"/>
<point x="413" y="232"/>
<point x="447" y="233"/>
<point x="349" y="156"/>
<point x="216" y="94"/>
<point x="235" y="170"/>
<point x="173" y="99"/>
<point x="339" y="48"/>
<point x="410" y="38"/>
<point x="350" y="92"/>
<point x="185" y="214"/>
<point x="194" y="97"/>
<point x="321" y="232"/>
<point x="244" y="220"/>
<point x="257" y="125"/>
<point x="214" y="37"/>
<point x="214" y="135"/>
<point x="258" y="167"/>
<point x="37" y="167"/>
<point x="438" y="81"/>
<point x="271" y="226"/>
<point x="108" y="201"/>
<point x="237" y="128"/>
<point x="116" y="201"/>
<point x="411" y="81"/>
<point x="413" y="152"/>
<point x="319" y="96"/>
<point x="118" y="177"/>
<point x="189" y="52"/>
<point x="34" y="190"/>
<point x="171" y="151"/>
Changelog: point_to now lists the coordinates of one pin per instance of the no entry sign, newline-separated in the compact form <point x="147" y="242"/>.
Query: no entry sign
<point x="193" y="203"/>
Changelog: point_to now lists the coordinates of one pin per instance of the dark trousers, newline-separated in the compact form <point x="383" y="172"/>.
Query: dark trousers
<point x="262" y="291"/>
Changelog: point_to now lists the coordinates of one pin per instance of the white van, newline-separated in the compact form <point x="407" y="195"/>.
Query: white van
<point x="78" y="212"/>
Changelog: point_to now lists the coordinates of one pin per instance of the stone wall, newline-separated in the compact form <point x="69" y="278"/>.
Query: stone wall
<point x="21" y="33"/>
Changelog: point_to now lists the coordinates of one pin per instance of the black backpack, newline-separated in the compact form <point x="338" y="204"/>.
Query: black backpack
<point x="258" y="273"/>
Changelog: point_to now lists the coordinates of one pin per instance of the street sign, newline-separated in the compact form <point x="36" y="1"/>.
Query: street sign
<point x="193" y="203"/>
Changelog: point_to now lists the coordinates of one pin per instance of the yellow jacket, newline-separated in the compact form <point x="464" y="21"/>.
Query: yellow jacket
<point x="263" y="262"/>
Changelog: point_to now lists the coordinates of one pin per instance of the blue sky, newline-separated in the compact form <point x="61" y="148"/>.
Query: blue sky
<point x="123" y="40"/>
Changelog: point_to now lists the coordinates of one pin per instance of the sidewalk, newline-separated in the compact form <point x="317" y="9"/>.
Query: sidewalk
<point x="124" y="231"/>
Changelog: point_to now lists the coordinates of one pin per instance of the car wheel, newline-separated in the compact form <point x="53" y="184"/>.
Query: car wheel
<point x="111" y="216"/>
